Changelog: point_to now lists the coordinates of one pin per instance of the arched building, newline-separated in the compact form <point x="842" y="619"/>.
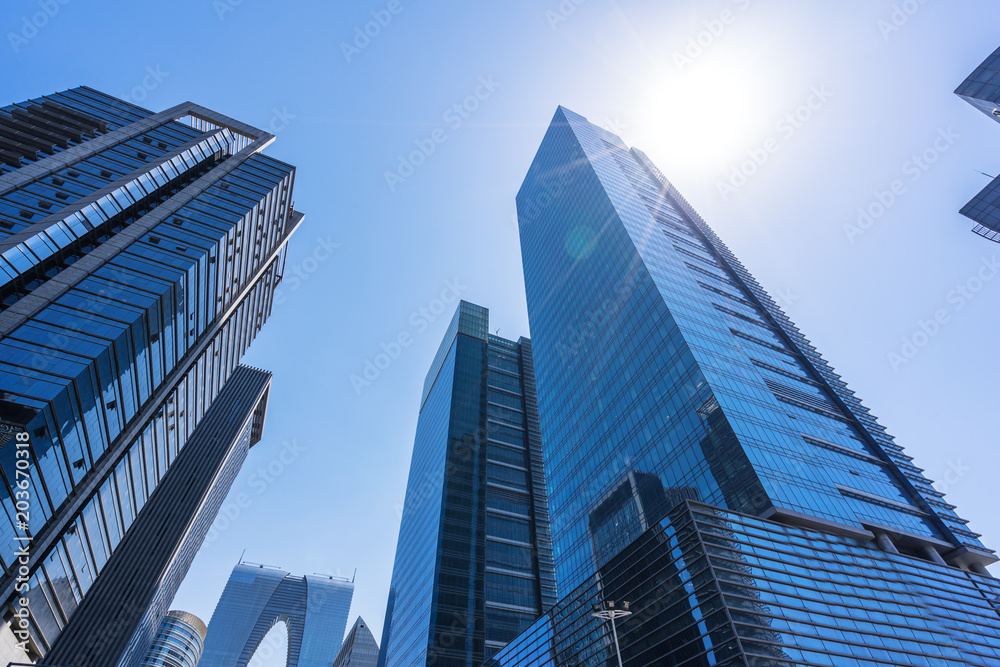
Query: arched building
<point x="313" y="608"/>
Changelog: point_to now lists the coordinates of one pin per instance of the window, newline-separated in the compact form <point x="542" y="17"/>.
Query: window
<point x="508" y="501"/>
<point x="506" y="476"/>
<point x="505" y="454"/>
<point x="509" y="556"/>
<point x="508" y="528"/>
<point x="507" y="589"/>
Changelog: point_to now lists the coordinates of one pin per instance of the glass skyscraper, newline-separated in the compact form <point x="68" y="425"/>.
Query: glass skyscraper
<point x="474" y="558"/>
<point x="359" y="649"/>
<point x="386" y="627"/>
<point x="313" y="608"/>
<point x="117" y="619"/>
<point x="139" y="253"/>
<point x="982" y="90"/>
<point x="178" y="643"/>
<point x="705" y="463"/>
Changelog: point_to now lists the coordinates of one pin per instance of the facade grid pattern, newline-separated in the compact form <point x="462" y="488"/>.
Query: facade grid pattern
<point x="666" y="375"/>
<point x="138" y="259"/>
<point x="474" y="558"/>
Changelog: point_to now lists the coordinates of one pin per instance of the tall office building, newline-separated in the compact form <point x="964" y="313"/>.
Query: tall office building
<point x="474" y="558"/>
<point x="120" y="614"/>
<point x="705" y="463"/>
<point x="386" y="627"/>
<point x="178" y="643"/>
<point x="139" y="253"/>
<point x="313" y="608"/>
<point x="359" y="649"/>
<point x="982" y="90"/>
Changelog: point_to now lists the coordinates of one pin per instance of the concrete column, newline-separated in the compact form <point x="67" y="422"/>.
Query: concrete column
<point x="933" y="555"/>
<point x="885" y="544"/>
<point x="979" y="568"/>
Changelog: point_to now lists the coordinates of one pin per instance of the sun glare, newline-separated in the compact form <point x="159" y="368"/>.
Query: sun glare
<point x="707" y="116"/>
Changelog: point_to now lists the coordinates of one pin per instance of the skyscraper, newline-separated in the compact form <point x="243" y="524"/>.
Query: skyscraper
<point x="982" y="90"/>
<point x="474" y="558"/>
<point x="704" y="462"/>
<point x="313" y="608"/>
<point x="386" y="627"/>
<point x="359" y="649"/>
<point x="120" y="614"/>
<point x="178" y="643"/>
<point x="139" y="253"/>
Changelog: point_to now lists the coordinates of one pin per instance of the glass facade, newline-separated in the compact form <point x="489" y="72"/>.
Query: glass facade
<point x="982" y="90"/>
<point x="474" y="561"/>
<point x="139" y="253"/>
<point x="359" y="649"/>
<point x="666" y="375"/>
<point x="713" y="587"/>
<point x="178" y="643"/>
<point x="314" y="609"/>
<point x="117" y="620"/>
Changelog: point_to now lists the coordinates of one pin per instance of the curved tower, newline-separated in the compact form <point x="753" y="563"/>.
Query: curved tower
<point x="178" y="642"/>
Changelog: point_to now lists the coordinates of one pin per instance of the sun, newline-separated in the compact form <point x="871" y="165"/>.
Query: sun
<point x="707" y="115"/>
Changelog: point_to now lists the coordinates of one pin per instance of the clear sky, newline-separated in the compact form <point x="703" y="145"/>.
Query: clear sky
<point x="878" y="74"/>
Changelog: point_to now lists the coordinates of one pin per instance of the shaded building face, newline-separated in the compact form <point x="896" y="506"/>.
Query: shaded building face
<point x="473" y="562"/>
<point x="712" y="587"/>
<point x="139" y="253"/>
<point x="313" y="608"/>
<point x="116" y="621"/>
<point x="666" y="374"/>
<point x="359" y="649"/>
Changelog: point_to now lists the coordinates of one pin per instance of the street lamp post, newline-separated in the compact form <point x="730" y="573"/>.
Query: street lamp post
<point x="608" y="610"/>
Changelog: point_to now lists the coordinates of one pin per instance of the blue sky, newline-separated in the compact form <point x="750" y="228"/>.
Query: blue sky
<point x="702" y="87"/>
